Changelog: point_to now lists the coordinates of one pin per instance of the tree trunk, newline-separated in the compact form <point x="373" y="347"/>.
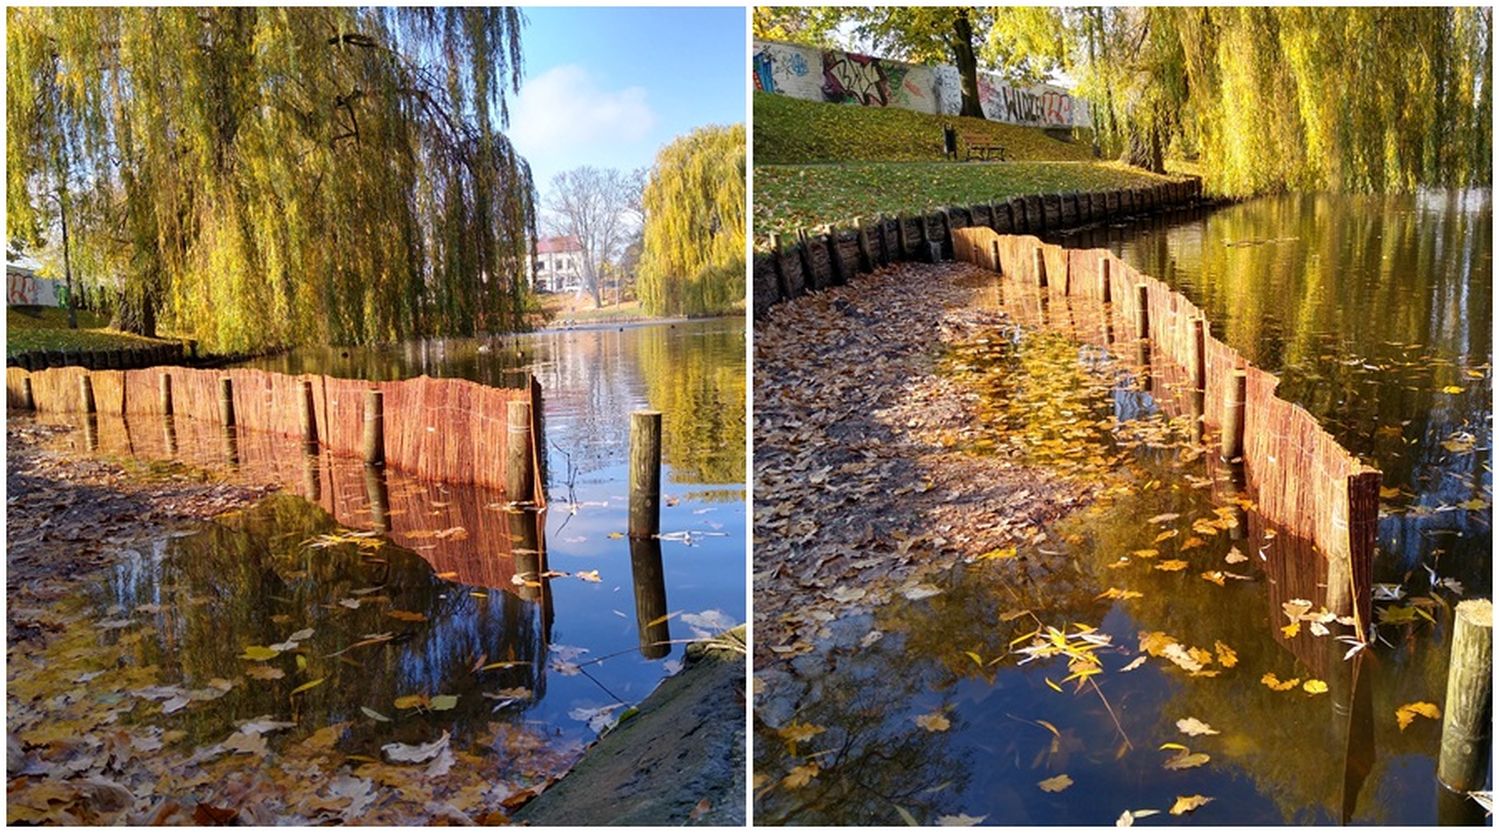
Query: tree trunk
<point x="968" y="68"/>
<point x="67" y="256"/>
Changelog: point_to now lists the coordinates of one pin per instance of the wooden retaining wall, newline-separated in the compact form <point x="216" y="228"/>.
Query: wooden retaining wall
<point x="811" y="260"/>
<point x="1305" y="482"/>
<point x="122" y="358"/>
<point x="438" y="429"/>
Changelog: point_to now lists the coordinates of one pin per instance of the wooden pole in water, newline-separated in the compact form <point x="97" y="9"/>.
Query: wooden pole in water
<point x="1466" y="720"/>
<point x="1231" y="443"/>
<point x="1103" y="278"/>
<point x="86" y="393"/>
<point x="1198" y="346"/>
<point x="1142" y="311"/>
<point x="308" y="416"/>
<point x="645" y="474"/>
<point x="164" y="392"/>
<point x="27" y="400"/>
<point x="374" y="427"/>
<point x="1038" y="261"/>
<point x="994" y="256"/>
<point x="520" y="474"/>
<point x="226" y="402"/>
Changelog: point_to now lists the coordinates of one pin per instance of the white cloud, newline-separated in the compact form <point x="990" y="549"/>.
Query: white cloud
<point x="565" y="110"/>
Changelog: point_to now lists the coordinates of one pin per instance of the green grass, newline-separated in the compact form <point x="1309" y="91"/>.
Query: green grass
<point x="46" y="328"/>
<point x="789" y="197"/>
<point x="790" y="131"/>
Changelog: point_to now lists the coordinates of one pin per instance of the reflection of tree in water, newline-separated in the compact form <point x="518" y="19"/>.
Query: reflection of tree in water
<point x="1366" y="306"/>
<point x="696" y="380"/>
<point x="877" y="758"/>
<point x="251" y="580"/>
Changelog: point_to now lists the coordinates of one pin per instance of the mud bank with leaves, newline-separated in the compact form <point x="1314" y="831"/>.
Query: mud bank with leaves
<point x="866" y="486"/>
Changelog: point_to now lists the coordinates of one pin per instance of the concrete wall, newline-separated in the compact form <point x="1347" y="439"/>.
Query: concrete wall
<point x="24" y="288"/>
<point x="847" y="78"/>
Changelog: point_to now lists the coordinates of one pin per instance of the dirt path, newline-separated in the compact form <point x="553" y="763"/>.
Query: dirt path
<point x="863" y="488"/>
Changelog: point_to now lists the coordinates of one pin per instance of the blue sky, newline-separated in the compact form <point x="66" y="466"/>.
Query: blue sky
<point x="610" y="86"/>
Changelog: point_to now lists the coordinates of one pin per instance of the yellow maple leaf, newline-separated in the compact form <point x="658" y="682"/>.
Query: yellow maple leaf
<point x="800" y="776"/>
<point x="1314" y="687"/>
<point x="1172" y="565"/>
<point x="1407" y="713"/>
<point x="934" y="722"/>
<point x="1188" y="803"/>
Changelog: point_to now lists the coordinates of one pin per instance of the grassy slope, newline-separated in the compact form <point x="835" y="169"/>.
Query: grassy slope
<point x="828" y="163"/>
<point x="46" y="328"/>
<point x="789" y="131"/>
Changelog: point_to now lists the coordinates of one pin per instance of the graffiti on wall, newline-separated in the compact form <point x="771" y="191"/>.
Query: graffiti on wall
<point x="1036" y="106"/>
<point x="869" y="81"/>
<point x="26" y="289"/>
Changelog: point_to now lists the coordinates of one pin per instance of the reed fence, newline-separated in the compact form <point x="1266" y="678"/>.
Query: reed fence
<point x="451" y="430"/>
<point x="1304" y="481"/>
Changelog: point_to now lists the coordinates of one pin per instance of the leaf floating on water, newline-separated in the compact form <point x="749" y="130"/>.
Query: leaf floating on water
<point x="960" y="820"/>
<point x="1407" y="713"/>
<point x="977" y="660"/>
<point x="259" y="653"/>
<point x="1194" y="727"/>
<point x="798" y="732"/>
<point x="1135" y="663"/>
<point x="411" y="701"/>
<point x="406" y="615"/>
<point x="1145" y="553"/>
<point x="1127" y="818"/>
<point x="1116" y="593"/>
<point x="456" y="533"/>
<point x="615" y="536"/>
<point x="374" y="715"/>
<point x="306" y="686"/>
<point x="409" y="754"/>
<point x="1292" y="629"/>
<point x="596" y="718"/>
<point x="264" y="672"/>
<point x="443" y="702"/>
<point x="800" y="776"/>
<point x="905" y="816"/>
<point x="933" y="722"/>
<point x="1226" y="655"/>
<point x="1215" y="576"/>
<point x="1172" y="565"/>
<point x="1314" y="687"/>
<point x="1234" y="556"/>
<point x="589" y="575"/>
<point x="1274" y="683"/>
<point x="921" y="591"/>
<point x="1168" y="534"/>
<point x="1187" y="803"/>
<point x="301" y="636"/>
<point x="1163" y="519"/>
<point x="1056" y="783"/>
<point x="1186" y="759"/>
<point x="1453" y="389"/>
<point x="998" y="554"/>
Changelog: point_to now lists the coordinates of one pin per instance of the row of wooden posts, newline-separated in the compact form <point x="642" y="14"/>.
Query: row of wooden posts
<point x="124" y="358"/>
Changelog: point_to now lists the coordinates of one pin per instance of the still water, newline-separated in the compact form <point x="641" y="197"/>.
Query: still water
<point x="1375" y="312"/>
<point x="432" y="626"/>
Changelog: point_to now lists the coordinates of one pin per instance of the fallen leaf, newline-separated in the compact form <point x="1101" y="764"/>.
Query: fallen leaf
<point x="1407" y="713"/>
<point x="1187" y="803"/>
<point x="934" y="722"/>
<point x="1194" y="727"/>
<point x="800" y="776"/>
<point x="443" y="702"/>
<point x="1172" y="565"/>
<point x="410" y="754"/>
<point x="259" y="653"/>
<point x="306" y="686"/>
<point x="406" y="615"/>
<point x="960" y="820"/>
<point x="1056" y="783"/>
<point x="374" y="715"/>
<point x="1186" y="759"/>
<point x="1314" y="687"/>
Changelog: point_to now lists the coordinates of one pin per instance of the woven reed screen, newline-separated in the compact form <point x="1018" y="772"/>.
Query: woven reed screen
<point x="1305" y="482"/>
<point x="441" y="429"/>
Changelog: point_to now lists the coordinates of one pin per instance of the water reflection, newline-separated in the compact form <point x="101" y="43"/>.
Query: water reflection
<point x="1376" y="312"/>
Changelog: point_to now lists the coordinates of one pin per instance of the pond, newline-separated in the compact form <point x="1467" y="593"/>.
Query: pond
<point x="365" y="608"/>
<point x="1158" y="657"/>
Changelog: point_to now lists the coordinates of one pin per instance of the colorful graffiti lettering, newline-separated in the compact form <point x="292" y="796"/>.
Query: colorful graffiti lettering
<point x="798" y="64"/>
<point x="858" y="79"/>
<point x="765" y="79"/>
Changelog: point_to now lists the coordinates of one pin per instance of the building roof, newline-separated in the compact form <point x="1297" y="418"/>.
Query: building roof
<point x="565" y="243"/>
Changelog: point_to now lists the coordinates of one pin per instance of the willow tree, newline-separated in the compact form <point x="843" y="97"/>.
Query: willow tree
<point x="256" y="177"/>
<point x="1363" y="99"/>
<point x="693" y="259"/>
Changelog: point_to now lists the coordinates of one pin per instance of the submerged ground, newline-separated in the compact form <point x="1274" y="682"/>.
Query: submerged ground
<point x="995" y="571"/>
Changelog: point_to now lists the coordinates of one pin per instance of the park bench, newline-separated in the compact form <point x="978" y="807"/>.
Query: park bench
<point x="986" y="152"/>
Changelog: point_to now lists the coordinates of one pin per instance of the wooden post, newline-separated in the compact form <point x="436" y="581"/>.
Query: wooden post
<point x="900" y="235"/>
<point x="1038" y="261"/>
<point x="1103" y="277"/>
<point x="226" y="402"/>
<point x="866" y="250"/>
<point x="27" y="400"/>
<point x="804" y="250"/>
<point x="1142" y="311"/>
<point x="645" y="474"/>
<point x="1466" y="720"/>
<point x="1231" y="443"/>
<point x="994" y="256"/>
<point x="164" y="392"/>
<point x="1198" y="347"/>
<point x="649" y="579"/>
<point x="308" y="413"/>
<point x="377" y="492"/>
<point x="835" y="257"/>
<point x="86" y="393"/>
<point x="374" y="427"/>
<point x="520" y="473"/>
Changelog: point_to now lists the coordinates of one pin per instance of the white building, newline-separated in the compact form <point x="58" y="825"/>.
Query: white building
<point x="558" y="266"/>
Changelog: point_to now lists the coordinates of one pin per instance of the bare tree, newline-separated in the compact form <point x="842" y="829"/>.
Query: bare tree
<point x="594" y="206"/>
